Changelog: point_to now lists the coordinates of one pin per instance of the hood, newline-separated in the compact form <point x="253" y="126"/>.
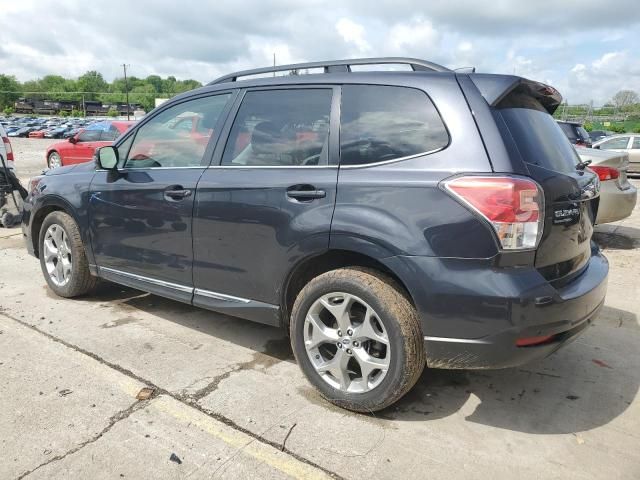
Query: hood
<point x="78" y="167"/>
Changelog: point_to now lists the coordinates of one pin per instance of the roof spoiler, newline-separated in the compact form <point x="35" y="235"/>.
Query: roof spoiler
<point x="495" y="88"/>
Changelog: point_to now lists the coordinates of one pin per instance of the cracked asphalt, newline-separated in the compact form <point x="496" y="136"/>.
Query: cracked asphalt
<point x="229" y="401"/>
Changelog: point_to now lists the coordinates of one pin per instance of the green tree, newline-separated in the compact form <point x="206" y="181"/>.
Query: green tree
<point x="8" y="85"/>
<point x="92" y="83"/>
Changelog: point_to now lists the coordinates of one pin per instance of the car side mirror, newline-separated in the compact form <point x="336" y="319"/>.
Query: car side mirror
<point x="107" y="158"/>
<point x="597" y="147"/>
<point x="73" y="139"/>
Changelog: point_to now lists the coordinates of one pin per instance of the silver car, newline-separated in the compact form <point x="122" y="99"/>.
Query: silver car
<point x="626" y="142"/>
<point x="617" y="195"/>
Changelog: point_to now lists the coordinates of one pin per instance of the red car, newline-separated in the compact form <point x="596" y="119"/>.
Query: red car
<point x="80" y="147"/>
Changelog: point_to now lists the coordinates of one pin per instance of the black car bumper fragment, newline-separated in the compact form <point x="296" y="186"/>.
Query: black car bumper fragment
<point x="472" y="316"/>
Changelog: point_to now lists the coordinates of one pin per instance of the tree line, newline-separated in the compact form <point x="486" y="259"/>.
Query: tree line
<point x="93" y="86"/>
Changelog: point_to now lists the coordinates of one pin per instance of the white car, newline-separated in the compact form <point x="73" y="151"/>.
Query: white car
<point x="617" y="195"/>
<point x="5" y="149"/>
<point x="625" y="142"/>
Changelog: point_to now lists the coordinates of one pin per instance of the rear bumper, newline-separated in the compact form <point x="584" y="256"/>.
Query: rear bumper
<point x="615" y="204"/>
<point x="473" y="314"/>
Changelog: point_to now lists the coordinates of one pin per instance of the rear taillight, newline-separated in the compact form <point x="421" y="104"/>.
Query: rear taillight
<point x="605" y="173"/>
<point x="513" y="206"/>
<point x="7" y="147"/>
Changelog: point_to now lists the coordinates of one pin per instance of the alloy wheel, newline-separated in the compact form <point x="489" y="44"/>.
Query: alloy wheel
<point x="54" y="160"/>
<point x="57" y="255"/>
<point x="347" y="343"/>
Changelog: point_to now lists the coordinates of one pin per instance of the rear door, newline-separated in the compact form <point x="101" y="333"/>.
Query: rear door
<point x="268" y="199"/>
<point x="571" y="193"/>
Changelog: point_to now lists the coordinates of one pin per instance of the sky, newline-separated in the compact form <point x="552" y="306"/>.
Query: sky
<point x="587" y="49"/>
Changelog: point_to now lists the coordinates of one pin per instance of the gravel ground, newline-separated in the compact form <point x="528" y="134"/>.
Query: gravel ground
<point x="29" y="154"/>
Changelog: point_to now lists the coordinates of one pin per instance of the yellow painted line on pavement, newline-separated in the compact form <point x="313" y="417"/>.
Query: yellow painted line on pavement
<point x="265" y="453"/>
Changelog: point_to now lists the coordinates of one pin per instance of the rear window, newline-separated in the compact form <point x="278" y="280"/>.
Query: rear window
<point x="381" y="123"/>
<point x="537" y="136"/>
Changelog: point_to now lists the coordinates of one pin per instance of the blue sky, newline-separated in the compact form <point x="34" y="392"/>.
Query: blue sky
<point x="587" y="49"/>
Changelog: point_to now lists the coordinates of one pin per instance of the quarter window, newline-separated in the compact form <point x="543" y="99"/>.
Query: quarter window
<point x="158" y="144"/>
<point x="280" y="128"/>
<point x="636" y="143"/>
<point x="615" y="143"/>
<point x="382" y="123"/>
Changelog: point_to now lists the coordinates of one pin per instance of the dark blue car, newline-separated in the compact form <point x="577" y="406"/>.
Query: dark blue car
<point x="387" y="220"/>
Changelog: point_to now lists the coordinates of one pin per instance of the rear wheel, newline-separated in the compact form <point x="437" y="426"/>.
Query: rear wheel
<point x="54" y="160"/>
<point x="357" y="338"/>
<point x="62" y="257"/>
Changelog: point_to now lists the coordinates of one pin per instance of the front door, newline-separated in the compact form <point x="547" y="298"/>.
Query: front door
<point x="267" y="203"/>
<point x="141" y="214"/>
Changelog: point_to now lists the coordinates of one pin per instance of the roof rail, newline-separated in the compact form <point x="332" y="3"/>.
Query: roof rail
<point x="337" y="66"/>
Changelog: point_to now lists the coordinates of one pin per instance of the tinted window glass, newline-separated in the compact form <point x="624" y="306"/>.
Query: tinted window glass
<point x="158" y="144"/>
<point x="280" y="128"/>
<point x="89" y="136"/>
<point x="539" y="139"/>
<point x="384" y="123"/>
<point x="615" y="143"/>
<point x="569" y="131"/>
<point x="584" y="135"/>
<point x="110" y="135"/>
<point x="636" y="143"/>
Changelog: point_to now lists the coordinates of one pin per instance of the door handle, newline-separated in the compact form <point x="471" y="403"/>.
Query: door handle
<point x="176" y="193"/>
<point x="305" y="193"/>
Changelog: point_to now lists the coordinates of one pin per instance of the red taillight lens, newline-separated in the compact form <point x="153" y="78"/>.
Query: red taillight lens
<point x="531" y="341"/>
<point x="605" y="173"/>
<point x="513" y="206"/>
<point x="7" y="147"/>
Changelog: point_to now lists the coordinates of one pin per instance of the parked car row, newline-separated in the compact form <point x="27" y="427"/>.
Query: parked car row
<point x="43" y="127"/>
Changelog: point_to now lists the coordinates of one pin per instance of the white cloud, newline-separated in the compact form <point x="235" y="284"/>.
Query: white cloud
<point x="603" y="77"/>
<point x="417" y="35"/>
<point x="354" y="34"/>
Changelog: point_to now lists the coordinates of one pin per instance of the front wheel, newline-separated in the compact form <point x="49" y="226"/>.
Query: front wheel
<point x="357" y="338"/>
<point x="54" y="160"/>
<point x="62" y="257"/>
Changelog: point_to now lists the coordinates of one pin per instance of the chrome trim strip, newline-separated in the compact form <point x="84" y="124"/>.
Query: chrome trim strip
<point x="153" y="281"/>
<point x="400" y="159"/>
<point x="220" y="296"/>
<point x="275" y="167"/>
<point x="201" y="167"/>
<point x="454" y="340"/>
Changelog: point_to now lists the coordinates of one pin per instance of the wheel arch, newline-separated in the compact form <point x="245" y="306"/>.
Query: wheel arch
<point x="310" y="267"/>
<point x="49" y="205"/>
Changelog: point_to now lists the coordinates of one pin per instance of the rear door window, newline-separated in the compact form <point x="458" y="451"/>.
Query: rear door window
<point x="618" y="143"/>
<point x="381" y="123"/>
<point x="636" y="143"/>
<point x="281" y="128"/>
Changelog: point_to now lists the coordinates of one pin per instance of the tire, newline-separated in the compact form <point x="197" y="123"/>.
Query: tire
<point x="393" y="319"/>
<point x="54" y="160"/>
<point x="59" y="227"/>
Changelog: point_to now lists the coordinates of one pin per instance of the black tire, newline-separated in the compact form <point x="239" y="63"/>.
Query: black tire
<point x="400" y="320"/>
<point x="81" y="280"/>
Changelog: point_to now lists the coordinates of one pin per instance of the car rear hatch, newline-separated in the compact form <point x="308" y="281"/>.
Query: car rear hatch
<point x="571" y="193"/>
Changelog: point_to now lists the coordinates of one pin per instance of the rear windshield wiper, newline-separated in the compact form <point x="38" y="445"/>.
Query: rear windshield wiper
<point x="584" y="164"/>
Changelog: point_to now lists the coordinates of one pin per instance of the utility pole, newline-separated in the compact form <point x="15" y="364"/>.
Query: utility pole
<point x="126" y="88"/>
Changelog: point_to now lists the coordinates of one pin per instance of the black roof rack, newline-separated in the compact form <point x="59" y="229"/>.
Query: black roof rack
<point x="337" y="66"/>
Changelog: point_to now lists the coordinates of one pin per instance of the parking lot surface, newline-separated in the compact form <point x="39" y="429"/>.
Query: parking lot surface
<point x="230" y="402"/>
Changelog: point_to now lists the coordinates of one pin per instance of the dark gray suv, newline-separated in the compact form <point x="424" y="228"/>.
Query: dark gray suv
<point x="387" y="219"/>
